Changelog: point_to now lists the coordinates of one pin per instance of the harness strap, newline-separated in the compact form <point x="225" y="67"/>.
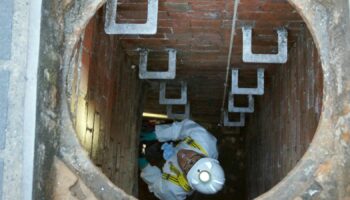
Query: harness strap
<point x="179" y="179"/>
<point x="188" y="140"/>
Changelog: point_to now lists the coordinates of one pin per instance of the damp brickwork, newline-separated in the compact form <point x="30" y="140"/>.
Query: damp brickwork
<point x="286" y="117"/>
<point x="106" y="104"/>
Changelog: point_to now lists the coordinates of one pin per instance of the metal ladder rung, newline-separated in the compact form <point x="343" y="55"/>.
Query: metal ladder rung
<point x="233" y="108"/>
<point x="148" y="28"/>
<point x="253" y="91"/>
<point x="180" y="101"/>
<point x="170" y="74"/>
<point x="239" y="123"/>
<point x="250" y="57"/>
<point x="184" y="115"/>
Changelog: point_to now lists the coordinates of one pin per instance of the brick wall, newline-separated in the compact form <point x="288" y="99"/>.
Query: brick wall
<point x="286" y="117"/>
<point x="200" y="31"/>
<point x="106" y="105"/>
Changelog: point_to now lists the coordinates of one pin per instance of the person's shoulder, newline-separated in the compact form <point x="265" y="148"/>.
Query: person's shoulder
<point x="204" y="135"/>
<point x="188" y="121"/>
<point x="192" y="124"/>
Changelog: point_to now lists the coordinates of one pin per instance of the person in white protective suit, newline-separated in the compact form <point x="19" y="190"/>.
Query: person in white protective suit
<point x="190" y="165"/>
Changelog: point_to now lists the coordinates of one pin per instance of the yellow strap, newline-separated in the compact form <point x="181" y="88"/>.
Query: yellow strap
<point x="179" y="179"/>
<point x="174" y="169"/>
<point x="188" y="140"/>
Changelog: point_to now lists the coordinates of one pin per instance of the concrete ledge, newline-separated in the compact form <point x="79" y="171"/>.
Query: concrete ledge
<point x="67" y="185"/>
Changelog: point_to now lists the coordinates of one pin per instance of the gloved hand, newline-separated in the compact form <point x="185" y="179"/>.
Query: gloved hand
<point x="168" y="150"/>
<point x="148" y="136"/>
<point x="142" y="162"/>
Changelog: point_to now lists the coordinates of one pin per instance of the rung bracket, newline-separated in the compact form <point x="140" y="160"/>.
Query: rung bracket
<point x="239" y="123"/>
<point x="148" y="28"/>
<point x="180" y="101"/>
<point x="259" y="90"/>
<point x="184" y="115"/>
<point x="250" y="57"/>
<point x="233" y="108"/>
<point x="170" y="74"/>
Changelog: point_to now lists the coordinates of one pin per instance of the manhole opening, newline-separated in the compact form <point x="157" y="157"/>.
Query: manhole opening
<point x="107" y="98"/>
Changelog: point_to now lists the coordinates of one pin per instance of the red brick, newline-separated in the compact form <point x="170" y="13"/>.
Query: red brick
<point x="165" y="23"/>
<point x="207" y="38"/>
<point x="130" y="14"/>
<point x="211" y="15"/>
<point x="267" y="16"/>
<point x="175" y="6"/>
<point x="208" y="5"/>
<point x="89" y="35"/>
<point x="136" y="7"/>
<point x="199" y="23"/>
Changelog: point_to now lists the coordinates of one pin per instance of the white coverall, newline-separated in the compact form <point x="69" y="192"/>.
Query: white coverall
<point x="152" y="175"/>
